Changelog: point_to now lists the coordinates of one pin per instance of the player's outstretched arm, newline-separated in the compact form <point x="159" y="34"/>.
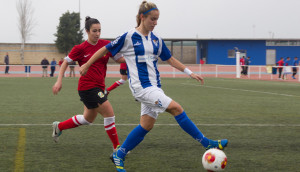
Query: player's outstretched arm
<point x="58" y="84"/>
<point x="100" y="53"/>
<point x="178" y="65"/>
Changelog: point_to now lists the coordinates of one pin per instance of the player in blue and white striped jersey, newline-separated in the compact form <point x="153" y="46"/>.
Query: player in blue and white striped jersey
<point x="141" y="49"/>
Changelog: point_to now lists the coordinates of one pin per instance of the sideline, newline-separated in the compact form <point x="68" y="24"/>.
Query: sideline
<point x="19" y="161"/>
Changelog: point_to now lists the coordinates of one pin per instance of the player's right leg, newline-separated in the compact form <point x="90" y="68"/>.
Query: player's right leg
<point x="106" y="110"/>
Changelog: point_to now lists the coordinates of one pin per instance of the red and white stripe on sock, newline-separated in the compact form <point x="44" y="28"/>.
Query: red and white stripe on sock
<point x="110" y="128"/>
<point x="73" y="122"/>
<point x="116" y="84"/>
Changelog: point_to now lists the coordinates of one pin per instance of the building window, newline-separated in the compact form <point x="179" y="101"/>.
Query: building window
<point x="231" y="53"/>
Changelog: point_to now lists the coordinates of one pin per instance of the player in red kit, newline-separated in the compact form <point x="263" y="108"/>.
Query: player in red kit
<point x="281" y="64"/>
<point x="123" y="72"/>
<point x="91" y="86"/>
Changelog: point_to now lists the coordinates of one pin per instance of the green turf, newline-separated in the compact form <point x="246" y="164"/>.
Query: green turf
<point x="222" y="108"/>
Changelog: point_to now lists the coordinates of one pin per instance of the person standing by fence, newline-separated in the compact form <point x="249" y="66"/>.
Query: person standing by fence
<point x="53" y="65"/>
<point x="72" y="68"/>
<point x="242" y="63"/>
<point x="295" y="64"/>
<point x="280" y="63"/>
<point x="45" y="64"/>
<point x="247" y="63"/>
<point x="6" y="61"/>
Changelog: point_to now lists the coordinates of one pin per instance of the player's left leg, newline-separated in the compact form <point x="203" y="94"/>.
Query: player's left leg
<point x="189" y="127"/>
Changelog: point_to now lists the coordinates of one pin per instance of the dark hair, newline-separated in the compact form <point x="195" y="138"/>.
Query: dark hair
<point x="89" y="21"/>
<point x="145" y="7"/>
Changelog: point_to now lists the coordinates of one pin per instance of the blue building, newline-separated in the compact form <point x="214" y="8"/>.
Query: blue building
<point x="261" y="51"/>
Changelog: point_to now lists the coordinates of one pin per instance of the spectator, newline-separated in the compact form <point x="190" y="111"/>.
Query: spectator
<point x="61" y="61"/>
<point x="72" y="66"/>
<point x="242" y="63"/>
<point x="295" y="63"/>
<point x="247" y="63"/>
<point x="53" y="65"/>
<point x="6" y="61"/>
<point x="280" y="63"/>
<point x="72" y="70"/>
<point x="45" y="64"/>
<point x="287" y="68"/>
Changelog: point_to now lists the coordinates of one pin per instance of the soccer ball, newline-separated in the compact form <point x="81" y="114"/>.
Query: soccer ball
<point x="214" y="160"/>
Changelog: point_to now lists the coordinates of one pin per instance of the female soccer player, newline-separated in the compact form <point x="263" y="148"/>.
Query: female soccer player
<point x="91" y="86"/>
<point x="123" y="72"/>
<point x="141" y="49"/>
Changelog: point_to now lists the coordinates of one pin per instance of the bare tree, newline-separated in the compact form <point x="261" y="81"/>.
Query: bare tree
<point x="26" y="23"/>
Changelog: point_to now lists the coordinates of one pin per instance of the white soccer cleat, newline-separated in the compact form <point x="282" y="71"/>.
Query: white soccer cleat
<point x="56" y="132"/>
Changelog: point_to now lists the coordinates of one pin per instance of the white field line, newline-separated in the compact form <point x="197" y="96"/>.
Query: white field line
<point x="220" y="125"/>
<point x="236" y="89"/>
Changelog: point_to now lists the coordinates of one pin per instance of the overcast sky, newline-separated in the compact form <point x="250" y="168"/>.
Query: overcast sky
<point x="178" y="18"/>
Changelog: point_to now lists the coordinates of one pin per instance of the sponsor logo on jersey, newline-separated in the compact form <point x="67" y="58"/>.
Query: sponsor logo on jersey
<point x="145" y="58"/>
<point x="137" y="44"/>
<point x="100" y="94"/>
<point x="86" y="55"/>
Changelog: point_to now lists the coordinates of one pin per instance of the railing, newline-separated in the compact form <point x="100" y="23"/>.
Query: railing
<point x="218" y="71"/>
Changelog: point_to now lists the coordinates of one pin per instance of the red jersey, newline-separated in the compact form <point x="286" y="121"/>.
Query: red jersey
<point x="95" y="76"/>
<point x="123" y="66"/>
<point x="242" y="61"/>
<point x="280" y="63"/>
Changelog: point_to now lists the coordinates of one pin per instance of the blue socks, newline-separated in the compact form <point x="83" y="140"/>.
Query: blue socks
<point x="138" y="133"/>
<point x="133" y="139"/>
<point x="188" y="126"/>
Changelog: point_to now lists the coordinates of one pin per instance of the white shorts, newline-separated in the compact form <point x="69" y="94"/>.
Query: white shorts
<point x="153" y="101"/>
<point x="287" y="70"/>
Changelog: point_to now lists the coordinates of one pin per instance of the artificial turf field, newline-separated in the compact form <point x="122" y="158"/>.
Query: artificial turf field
<point x="261" y="120"/>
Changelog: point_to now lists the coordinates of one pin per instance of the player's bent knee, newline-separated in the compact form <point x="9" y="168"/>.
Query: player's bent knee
<point x="174" y="108"/>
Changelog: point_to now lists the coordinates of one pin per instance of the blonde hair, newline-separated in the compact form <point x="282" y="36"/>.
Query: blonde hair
<point x="145" y="7"/>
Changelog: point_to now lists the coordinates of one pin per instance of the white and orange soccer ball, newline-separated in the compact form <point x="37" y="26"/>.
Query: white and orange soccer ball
<point x="214" y="160"/>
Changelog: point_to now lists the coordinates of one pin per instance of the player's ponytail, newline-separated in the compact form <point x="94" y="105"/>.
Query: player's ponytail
<point x="144" y="9"/>
<point x="89" y="21"/>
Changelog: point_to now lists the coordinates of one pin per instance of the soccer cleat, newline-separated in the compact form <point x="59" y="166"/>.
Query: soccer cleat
<point x="118" y="162"/>
<point x="219" y="144"/>
<point x="293" y="77"/>
<point x="56" y="131"/>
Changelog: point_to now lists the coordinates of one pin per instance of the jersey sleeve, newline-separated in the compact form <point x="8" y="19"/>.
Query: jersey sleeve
<point x="165" y="52"/>
<point x="117" y="56"/>
<point x="115" y="46"/>
<point x="74" y="55"/>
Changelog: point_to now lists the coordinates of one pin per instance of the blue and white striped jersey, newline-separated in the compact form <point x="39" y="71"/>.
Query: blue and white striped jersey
<point x="141" y="54"/>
